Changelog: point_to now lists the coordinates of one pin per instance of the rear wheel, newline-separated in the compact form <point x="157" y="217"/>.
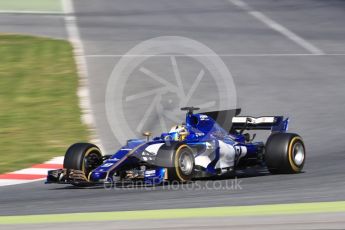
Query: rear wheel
<point x="84" y="157"/>
<point x="285" y="153"/>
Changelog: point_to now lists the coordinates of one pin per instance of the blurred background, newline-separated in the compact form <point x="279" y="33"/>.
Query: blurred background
<point x="57" y="59"/>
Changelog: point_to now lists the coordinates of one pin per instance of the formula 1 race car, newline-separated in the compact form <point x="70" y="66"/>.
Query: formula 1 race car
<point x="207" y="144"/>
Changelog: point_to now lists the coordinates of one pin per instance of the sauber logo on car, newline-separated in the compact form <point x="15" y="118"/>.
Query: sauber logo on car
<point x="203" y="117"/>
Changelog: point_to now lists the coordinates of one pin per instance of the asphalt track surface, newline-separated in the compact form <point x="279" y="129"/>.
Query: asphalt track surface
<point x="273" y="75"/>
<point x="47" y="25"/>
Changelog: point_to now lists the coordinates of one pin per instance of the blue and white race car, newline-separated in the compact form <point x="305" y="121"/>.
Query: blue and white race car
<point x="205" y="145"/>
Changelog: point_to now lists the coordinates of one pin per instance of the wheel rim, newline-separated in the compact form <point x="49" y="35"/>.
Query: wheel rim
<point x="186" y="163"/>
<point x="92" y="161"/>
<point x="298" y="153"/>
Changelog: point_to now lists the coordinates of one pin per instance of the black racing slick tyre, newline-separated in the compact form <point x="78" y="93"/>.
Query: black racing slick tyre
<point x="84" y="157"/>
<point x="285" y="153"/>
<point x="178" y="161"/>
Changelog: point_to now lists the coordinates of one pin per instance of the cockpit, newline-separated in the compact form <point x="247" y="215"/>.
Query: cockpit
<point x="197" y="127"/>
<point x="179" y="132"/>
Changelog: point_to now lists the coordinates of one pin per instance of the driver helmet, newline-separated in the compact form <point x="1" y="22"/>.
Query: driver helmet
<point x="179" y="132"/>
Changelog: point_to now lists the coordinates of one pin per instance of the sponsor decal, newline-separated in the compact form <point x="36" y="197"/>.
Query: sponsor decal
<point x="204" y="118"/>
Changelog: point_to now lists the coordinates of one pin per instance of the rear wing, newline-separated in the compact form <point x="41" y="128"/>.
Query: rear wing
<point x="224" y="117"/>
<point x="229" y="120"/>
<point x="273" y="123"/>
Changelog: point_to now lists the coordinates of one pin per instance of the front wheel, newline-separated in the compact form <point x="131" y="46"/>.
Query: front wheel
<point x="84" y="157"/>
<point x="285" y="153"/>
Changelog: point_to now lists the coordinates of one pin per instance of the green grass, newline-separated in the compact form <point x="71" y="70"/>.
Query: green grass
<point x="39" y="113"/>
<point x="255" y="210"/>
<point x="31" y="5"/>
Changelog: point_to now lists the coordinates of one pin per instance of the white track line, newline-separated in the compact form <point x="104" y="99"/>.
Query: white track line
<point x="56" y="160"/>
<point x="32" y="171"/>
<point x="83" y="91"/>
<point x="277" y="27"/>
<point x="210" y="55"/>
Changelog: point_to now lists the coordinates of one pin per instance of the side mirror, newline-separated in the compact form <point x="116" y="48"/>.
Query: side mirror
<point x="147" y="135"/>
